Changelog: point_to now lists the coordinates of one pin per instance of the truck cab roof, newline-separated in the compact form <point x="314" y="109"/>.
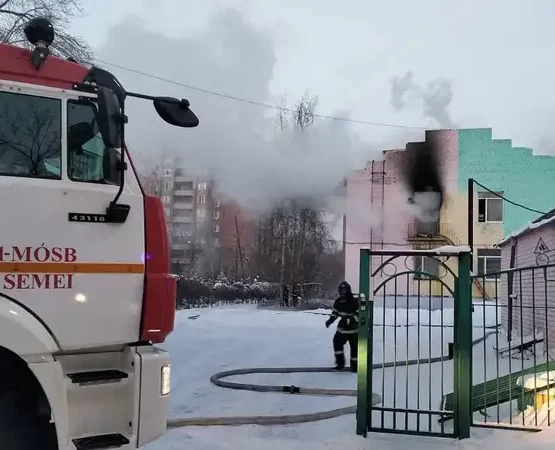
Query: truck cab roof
<point x="55" y="72"/>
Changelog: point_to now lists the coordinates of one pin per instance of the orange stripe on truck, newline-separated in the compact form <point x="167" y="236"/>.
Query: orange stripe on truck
<point x="63" y="267"/>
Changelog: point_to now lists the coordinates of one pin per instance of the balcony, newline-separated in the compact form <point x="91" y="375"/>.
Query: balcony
<point x="183" y="219"/>
<point x="180" y="246"/>
<point x="183" y="193"/>
<point x="181" y="260"/>
<point x="183" y="205"/>
<point x="431" y="232"/>
<point x="184" y="179"/>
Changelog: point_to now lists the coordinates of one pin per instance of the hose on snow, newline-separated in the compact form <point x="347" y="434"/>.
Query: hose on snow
<point x="217" y="379"/>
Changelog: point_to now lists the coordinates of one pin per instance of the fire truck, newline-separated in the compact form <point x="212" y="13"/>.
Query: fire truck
<point x="86" y="291"/>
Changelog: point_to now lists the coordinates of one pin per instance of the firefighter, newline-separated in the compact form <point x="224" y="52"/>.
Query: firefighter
<point x="295" y="294"/>
<point x="346" y="308"/>
<point x="285" y="294"/>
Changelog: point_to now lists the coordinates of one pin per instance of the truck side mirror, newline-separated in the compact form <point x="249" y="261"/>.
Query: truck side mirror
<point x="175" y="112"/>
<point x="110" y="118"/>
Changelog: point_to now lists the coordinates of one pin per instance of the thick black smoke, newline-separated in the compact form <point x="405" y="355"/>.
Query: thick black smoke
<point x="422" y="174"/>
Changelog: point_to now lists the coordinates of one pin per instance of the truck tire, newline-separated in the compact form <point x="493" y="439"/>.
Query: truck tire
<point x="21" y="428"/>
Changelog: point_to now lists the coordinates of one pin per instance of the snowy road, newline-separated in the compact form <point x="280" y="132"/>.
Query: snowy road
<point x="236" y="337"/>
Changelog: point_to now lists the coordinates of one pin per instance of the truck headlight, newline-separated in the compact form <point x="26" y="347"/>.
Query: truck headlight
<point x="165" y="380"/>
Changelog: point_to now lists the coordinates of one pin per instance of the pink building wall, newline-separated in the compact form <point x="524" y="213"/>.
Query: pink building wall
<point x="533" y="287"/>
<point x="377" y="210"/>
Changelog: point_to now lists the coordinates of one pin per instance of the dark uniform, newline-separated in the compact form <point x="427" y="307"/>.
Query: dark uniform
<point x="346" y="308"/>
<point x="285" y="293"/>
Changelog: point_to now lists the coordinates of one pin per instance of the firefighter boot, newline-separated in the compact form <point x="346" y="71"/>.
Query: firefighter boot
<point x="339" y="360"/>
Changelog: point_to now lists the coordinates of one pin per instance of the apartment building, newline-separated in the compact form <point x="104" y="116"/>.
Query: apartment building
<point x="192" y="216"/>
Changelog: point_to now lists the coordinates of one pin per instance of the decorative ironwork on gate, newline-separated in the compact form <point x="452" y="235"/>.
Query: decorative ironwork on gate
<point x="415" y="342"/>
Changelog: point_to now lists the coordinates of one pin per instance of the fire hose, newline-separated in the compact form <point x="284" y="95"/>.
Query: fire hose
<point x="217" y="379"/>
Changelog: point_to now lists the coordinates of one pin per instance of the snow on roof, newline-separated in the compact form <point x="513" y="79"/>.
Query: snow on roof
<point x="532" y="225"/>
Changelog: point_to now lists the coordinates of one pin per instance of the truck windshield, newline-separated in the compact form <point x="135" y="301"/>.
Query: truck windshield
<point x="86" y="149"/>
<point x="30" y="136"/>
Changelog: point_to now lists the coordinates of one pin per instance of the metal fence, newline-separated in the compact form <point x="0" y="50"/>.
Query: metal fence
<point x="513" y="374"/>
<point x="485" y="362"/>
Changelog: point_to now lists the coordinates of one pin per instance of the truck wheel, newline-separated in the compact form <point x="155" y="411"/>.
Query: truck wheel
<point x="21" y="428"/>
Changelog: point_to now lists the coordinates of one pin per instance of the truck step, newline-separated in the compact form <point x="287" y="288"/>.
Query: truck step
<point x="102" y="441"/>
<point x="97" y="377"/>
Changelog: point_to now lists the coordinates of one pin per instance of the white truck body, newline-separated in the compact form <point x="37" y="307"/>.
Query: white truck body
<point x="75" y="309"/>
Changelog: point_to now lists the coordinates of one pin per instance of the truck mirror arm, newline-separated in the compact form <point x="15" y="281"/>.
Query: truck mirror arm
<point x="172" y="110"/>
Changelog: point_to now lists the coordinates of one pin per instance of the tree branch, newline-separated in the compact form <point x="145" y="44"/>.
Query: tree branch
<point x="59" y="12"/>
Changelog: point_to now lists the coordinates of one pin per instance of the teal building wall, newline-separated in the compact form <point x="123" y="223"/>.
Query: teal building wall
<point x="523" y="177"/>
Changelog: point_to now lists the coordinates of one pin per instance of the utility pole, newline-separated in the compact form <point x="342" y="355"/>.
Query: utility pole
<point x="238" y="237"/>
<point x="236" y="262"/>
<point x="282" y="269"/>
<point x="470" y="222"/>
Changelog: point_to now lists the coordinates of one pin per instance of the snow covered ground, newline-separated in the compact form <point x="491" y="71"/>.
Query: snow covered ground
<point x="244" y="336"/>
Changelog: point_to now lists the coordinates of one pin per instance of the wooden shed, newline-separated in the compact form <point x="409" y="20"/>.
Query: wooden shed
<point x="526" y="301"/>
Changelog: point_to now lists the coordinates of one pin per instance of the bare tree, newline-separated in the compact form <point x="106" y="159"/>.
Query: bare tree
<point x="294" y="239"/>
<point x="206" y="250"/>
<point x="149" y="172"/>
<point x="14" y="14"/>
<point x="187" y="252"/>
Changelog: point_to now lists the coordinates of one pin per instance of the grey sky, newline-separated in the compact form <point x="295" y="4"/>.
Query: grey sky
<point x="496" y="52"/>
<point x="495" y="57"/>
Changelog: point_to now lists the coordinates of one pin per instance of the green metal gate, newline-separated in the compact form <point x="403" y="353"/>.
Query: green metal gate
<point x="415" y="342"/>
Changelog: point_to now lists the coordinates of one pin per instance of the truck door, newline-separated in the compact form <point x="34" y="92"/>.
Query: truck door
<point x="58" y="257"/>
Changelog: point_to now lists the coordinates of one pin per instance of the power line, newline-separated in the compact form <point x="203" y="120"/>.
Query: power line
<point x="257" y="103"/>
<point x="510" y="201"/>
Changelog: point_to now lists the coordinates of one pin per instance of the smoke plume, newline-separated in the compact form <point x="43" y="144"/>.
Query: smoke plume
<point x="434" y="99"/>
<point x="251" y="159"/>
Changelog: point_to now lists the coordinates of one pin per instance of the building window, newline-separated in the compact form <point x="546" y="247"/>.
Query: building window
<point x="427" y="265"/>
<point x="216" y="214"/>
<point x="217" y="203"/>
<point x="489" y="262"/>
<point x="202" y="186"/>
<point x="216" y="242"/>
<point x="166" y="185"/>
<point x="201" y="212"/>
<point x="166" y="199"/>
<point x="216" y="228"/>
<point x="490" y="207"/>
<point x="201" y="199"/>
<point x="168" y="173"/>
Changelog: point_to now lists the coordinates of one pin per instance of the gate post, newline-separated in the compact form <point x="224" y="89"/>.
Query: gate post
<point x="364" y="362"/>
<point x="463" y="348"/>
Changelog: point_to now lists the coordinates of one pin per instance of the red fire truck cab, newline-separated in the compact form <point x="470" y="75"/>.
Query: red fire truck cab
<point x="85" y="284"/>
